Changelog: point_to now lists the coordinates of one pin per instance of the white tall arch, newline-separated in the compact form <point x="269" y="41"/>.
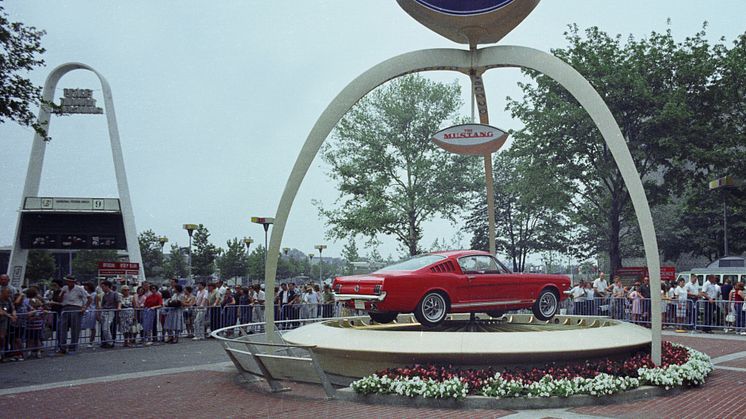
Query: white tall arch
<point x="464" y="61"/>
<point x="17" y="265"/>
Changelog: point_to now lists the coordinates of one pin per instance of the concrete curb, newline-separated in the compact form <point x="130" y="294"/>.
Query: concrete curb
<point x="482" y="402"/>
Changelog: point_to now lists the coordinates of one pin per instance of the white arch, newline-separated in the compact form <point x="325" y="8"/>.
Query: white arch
<point x="463" y="61"/>
<point x="36" y="162"/>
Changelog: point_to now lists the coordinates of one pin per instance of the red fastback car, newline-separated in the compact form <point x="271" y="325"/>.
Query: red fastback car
<point x="435" y="284"/>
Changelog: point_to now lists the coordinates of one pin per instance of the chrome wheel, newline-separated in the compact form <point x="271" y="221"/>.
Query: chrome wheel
<point x="546" y="305"/>
<point x="432" y="309"/>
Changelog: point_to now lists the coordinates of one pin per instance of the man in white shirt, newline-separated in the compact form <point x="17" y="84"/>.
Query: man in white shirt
<point x="75" y="301"/>
<point x="221" y="290"/>
<point x="693" y="294"/>
<point x="577" y="293"/>
<point x="711" y="292"/>
<point x="258" y="312"/>
<point x="600" y="286"/>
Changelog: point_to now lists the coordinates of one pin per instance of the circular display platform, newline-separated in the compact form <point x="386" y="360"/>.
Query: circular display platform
<point x="354" y="347"/>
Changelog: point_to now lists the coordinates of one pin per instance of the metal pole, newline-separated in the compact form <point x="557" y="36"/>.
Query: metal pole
<point x="266" y="227"/>
<point x="321" y="266"/>
<point x="190" y="258"/>
<point x="725" y="227"/>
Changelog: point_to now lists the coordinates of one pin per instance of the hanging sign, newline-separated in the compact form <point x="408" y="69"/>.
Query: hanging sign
<point x="470" y="139"/>
<point x="78" y="101"/>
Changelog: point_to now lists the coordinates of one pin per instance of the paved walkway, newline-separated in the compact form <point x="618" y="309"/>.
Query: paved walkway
<point x="214" y="389"/>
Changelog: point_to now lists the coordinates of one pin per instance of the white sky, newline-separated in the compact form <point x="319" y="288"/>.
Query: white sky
<point x="215" y="99"/>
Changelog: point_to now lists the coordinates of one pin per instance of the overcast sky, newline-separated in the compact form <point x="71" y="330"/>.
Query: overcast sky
<point x="215" y="99"/>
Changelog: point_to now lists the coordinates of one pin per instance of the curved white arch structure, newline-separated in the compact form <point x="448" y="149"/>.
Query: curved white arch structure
<point x="464" y="61"/>
<point x="36" y="162"/>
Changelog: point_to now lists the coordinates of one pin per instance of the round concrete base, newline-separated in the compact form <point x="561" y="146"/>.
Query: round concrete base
<point x="355" y="348"/>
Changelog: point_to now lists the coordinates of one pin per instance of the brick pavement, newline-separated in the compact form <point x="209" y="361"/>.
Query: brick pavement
<point x="204" y="394"/>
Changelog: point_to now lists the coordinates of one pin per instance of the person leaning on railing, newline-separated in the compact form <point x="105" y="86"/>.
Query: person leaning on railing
<point x="128" y="325"/>
<point x="577" y="293"/>
<point x="152" y="303"/>
<point x="711" y="292"/>
<point x="200" y="308"/>
<point x="738" y="295"/>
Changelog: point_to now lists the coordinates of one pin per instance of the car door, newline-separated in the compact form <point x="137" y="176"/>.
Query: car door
<point x="484" y="279"/>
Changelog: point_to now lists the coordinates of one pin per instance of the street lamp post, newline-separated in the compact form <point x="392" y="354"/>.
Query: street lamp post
<point x="320" y="248"/>
<point x="310" y="260"/>
<point x="190" y="229"/>
<point x="162" y="240"/>
<point x="722" y="184"/>
<point x="265" y="222"/>
<point x="247" y="241"/>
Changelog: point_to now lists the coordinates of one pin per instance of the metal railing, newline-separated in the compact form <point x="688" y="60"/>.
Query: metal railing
<point x="42" y="331"/>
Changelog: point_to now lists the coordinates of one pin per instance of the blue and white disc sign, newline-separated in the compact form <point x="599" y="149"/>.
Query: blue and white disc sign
<point x="464" y="7"/>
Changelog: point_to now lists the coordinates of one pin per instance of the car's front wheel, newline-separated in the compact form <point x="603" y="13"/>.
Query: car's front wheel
<point x="546" y="306"/>
<point x="383" y="317"/>
<point x="432" y="309"/>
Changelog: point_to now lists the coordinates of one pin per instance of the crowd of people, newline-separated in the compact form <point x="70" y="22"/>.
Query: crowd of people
<point x="143" y="314"/>
<point x="683" y="304"/>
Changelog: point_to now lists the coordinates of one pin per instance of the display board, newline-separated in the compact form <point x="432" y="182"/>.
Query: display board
<point x="72" y="223"/>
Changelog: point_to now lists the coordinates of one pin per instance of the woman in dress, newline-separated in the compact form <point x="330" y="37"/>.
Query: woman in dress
<point x="175" y="317"/>
<point x="738" y="298"/>
<point x="189" y="301"/>
<point x="153" y="302"/>
<point x="680" y="295"/>
<point x="636" y="298"/>
<point x="127" y="322"/>
<point x="88" y="321"/>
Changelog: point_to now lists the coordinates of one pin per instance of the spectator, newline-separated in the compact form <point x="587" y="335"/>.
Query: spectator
<point x="258" y="309"/>
<point x="213" y="303"/>
<point x="75" y="301"/>
<point x="35" y="324"/>
<point x="644" y="291"/>
<point x="682" y="298"/>
<point x="617" y="298"/>
<point x="577" y="293"/>
<point x="310" y="302"/>
<point x="636" y="297"/>
<point x="601" y="287"/>
<point x="163" y="312"/>
<point x="5" y="284"/>
<point x="738" y="295"/>
<point x="110" y="303"/>
<point x="189" y="301"/>
<point x="152" y="303"/>
<point x="693" y="294"/>
<point x="128" y="325"/>
<point x="17" y="332"/>
<point x="200" y="307"/>
<point x="88" y="321"/>
<point x="725" y="291"/>
<point x="175" y="317"/>
<point x="244" y="301"/>
<point x="281" y="301"/>
<point x="228" y="306"/>
<point x="7" y="314"/>
<point x="665" y="300"/>
<point x="221" y="289"/>
<point x="711" y="292"/>
<point x="327" y="299"/>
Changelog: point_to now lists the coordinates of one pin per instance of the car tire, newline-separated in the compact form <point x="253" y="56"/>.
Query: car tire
<point x="383" y="318"/>
<point x="546" y="305"/>
<point x="432" y="309"/>
<point x="495" y="313"/>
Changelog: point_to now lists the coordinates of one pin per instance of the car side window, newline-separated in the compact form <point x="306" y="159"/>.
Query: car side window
<point x="478" y="264"/>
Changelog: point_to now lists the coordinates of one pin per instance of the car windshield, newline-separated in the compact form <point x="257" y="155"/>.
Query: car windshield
<point x="413" y="264"/>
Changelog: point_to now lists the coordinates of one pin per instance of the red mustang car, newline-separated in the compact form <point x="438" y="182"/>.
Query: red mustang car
<point x="435" y="284"/>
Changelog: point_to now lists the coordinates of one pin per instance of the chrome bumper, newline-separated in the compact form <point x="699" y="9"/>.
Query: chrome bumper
<point x="364" y="297"/>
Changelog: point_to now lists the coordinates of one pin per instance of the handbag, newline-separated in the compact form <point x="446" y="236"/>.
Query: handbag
<point x="730" y="318"/>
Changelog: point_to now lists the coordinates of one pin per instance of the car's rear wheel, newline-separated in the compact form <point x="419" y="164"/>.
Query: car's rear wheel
<point x="383" y="317"/>
<point x="432" y="309"/>
<point x="547" y="305"/>
<point x="495" y="313"/>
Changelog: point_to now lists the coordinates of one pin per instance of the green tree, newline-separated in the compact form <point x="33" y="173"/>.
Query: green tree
<point x="20" y="53"/>
<point x="527" y="219"/>
<point x="40" y="265"/>
<point x="204" y="253"/>
<point x="85" y="262"/>
<point x="256" y="264"/>
<point x="391" y="177"/>
<point x="175" y="265"/>
<point x="660" y="93"/>
<point x="350" y="253"/>
<point x="234" y="262"/>
<point x="152" y="253"/>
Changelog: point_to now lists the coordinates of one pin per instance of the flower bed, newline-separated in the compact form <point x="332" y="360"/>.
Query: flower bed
<point x="680" y="366"/>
